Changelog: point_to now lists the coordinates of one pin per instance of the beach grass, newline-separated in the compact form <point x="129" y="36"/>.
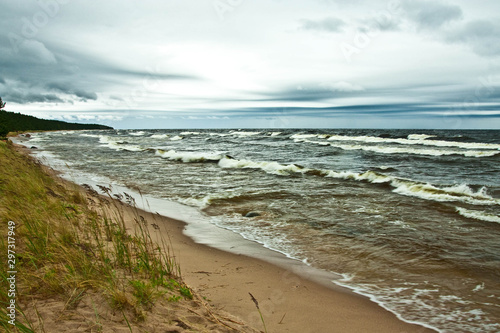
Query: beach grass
<point x="70" y="243"/>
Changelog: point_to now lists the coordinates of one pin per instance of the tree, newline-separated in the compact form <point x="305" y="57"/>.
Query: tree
<point x="3" y="131"/>
<point x="2" y="104"/>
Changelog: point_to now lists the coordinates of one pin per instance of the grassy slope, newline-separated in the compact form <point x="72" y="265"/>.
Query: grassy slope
<point x="71" y="245"/>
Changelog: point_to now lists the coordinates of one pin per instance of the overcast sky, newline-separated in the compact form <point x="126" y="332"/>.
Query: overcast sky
<point x="253" y="63"/>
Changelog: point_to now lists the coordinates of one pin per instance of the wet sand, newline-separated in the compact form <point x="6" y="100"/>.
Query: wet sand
<point x="289" y="302"/>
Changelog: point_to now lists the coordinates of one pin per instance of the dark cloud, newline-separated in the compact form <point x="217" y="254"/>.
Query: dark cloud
<point x="396" y="110"/>
<point x="54" y="73"/>
<point x="384" y="23"/>
<point x="31" y="97"/>
<point x="67" y="88"/>
<point x="431" y="14"/>
<point x="482" y="36"/>
<point x="85" y="95"/>
<point x="36" y="66"/>
<point x="381" y="21"/>
<point x="329" y="24"/>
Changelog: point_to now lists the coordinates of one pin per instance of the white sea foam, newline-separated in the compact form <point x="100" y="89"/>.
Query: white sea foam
<point x="426" y="191"/>
<point x="118" y="146"/>
<point x="243" y="133"/>
<point x="419" y="136"/>
<point x="107" y="139"/>
<point x="189" y="133"/>
<point x="478" y="215"/>
<point x="115" y="144"/>
<point x="188" y="157"/>
<point x="303" y="136"/>
<point x="269" y="167"/>
<point x="415" y="140"/>
<point x="176" y="138"/>
<point x="159" y="136"/>
<point x="219" y="134"/>
<point x="406" y="150"/>
<point x="458" y="193"/>
<point x="205" y="201"/>
<point x="479" y="287"/>
<point x="38" y="139"/>
<point x="140" y="133"/>
<point x="90" y="135"/>
<point x="389" y="299"/>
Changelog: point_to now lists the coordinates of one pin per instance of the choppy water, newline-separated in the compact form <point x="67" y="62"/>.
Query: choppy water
<point x="411" y="218"/>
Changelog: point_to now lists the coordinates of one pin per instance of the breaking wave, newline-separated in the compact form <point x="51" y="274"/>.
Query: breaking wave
<point x="188" y="157"/>
<point x="477" y="215"/>
<point x="118" y="144"/>
<point x="403" y="150"/>
<point x="456" y="193"/>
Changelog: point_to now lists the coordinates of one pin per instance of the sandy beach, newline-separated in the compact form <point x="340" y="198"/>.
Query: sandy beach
<point x="288" y="301"/>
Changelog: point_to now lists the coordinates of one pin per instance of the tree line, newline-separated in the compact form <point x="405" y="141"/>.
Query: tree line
<point x="16" y="122"/>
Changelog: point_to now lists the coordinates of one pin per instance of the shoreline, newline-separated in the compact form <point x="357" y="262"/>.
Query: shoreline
<point x="289" y="302"/>
<point x="289" y="298"/>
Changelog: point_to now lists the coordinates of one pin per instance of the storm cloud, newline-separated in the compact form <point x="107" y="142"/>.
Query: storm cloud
<point x="482" y="36"/>
<point x="164" y="63"/>
<point x="431" y="14"/>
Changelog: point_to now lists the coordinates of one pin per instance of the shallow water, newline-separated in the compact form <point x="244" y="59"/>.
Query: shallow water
<point x="410" y="218"/>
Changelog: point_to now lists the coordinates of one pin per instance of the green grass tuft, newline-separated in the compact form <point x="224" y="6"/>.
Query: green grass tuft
<point x="69" y="242"/>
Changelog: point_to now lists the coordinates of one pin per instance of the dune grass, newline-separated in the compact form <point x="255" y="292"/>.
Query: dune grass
<point x="70" y="242"/>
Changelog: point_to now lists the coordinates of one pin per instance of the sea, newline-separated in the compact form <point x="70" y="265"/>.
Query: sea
<point x="409" y="218"/>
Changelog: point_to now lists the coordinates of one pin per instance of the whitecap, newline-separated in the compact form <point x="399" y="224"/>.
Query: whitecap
<point x="189" y="157"/>
<point x="159" y="136"/>
<point x="478" y="215"/>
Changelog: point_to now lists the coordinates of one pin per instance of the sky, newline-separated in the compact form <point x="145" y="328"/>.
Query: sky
<point x="253" y="63"/>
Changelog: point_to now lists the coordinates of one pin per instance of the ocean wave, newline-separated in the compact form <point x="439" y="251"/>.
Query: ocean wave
<point x="269" y="167"/>
<point x="459" y="193"/>
<point x="140" y="133"/>
<point x="419" y="136"/>
<point x="405" y="150"/>
<point x="90" y="135"/>
<point x="456" y="193"/>
<point x="159" y="136"/>
<point x="205" y="201"/>
<point x="218" y="134"/>
<point x="478" y="215"/>
<point x="303" y="136"/>
<point x="243" y="133"/>
<point x="415" y="140"/>
<point x="38" y="139"/>
<point x="118" y="145"/>
<point x="412" y="140"/>
<point x="189" y="133"/>
<point x="189" y="157"/>
<point x="108" y="139"/>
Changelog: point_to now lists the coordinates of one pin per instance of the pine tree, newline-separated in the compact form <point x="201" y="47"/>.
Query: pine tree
<point x="2" y="104"/>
